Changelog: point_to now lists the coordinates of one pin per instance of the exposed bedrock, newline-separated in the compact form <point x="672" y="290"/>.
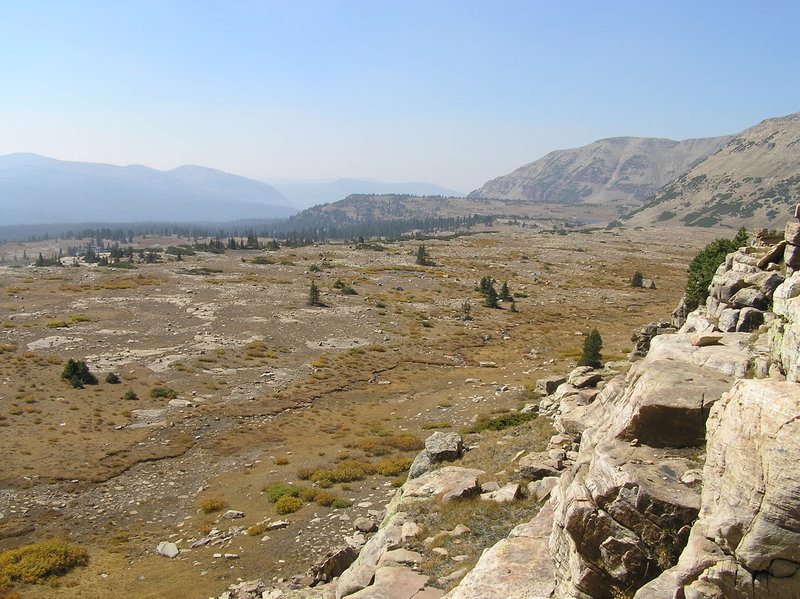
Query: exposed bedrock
<point x="746" y="542"/>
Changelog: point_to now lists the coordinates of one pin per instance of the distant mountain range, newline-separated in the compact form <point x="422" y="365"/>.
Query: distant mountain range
<point x="36" y="189"/>
<point x="619" y="172"/>
<point x="753" y="181"/>
<point x="304" y="193"/>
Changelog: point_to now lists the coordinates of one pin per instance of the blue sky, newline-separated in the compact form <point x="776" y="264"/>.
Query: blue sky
<point x="452" y="92"/>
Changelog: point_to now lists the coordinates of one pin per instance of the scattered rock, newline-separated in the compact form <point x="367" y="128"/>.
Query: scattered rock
<point x="363" y="524"/>
<point x="444" y="446"/>
<point x="167" y="549"/>
<point x="332" y="564"/>
<point x="548" y="385"/>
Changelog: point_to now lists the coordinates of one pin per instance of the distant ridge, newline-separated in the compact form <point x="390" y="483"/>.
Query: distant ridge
<point x="754" y="181"/>
<point x="617" y="172"/>
<point x="37" y="189"/>
<point x="307" y="193"/>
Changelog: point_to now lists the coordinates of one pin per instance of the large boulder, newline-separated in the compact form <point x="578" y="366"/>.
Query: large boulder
<point x="444" y="446"/>
<point x="666" y="403"/>
<point x="620" y="518"/>
<point x="746" y="542"/>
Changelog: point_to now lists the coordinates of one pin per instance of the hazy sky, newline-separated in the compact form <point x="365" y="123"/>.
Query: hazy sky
<point x="452" y="92"/>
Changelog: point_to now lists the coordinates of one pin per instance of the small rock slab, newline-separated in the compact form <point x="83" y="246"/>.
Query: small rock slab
<point x="392" y="582"/>
<point x="704" y="339"/>
<point x="401" y="556"/>
<point x="364" y="524"/>
<point x="451" y="482"/>
<point x="506" y="493"/>
<point x="233" y="514"/>
<point x="168" y="549"/>
<point x="548" y="385"/>
<point x="538" y="465"/>
<point x="519" y="567"/>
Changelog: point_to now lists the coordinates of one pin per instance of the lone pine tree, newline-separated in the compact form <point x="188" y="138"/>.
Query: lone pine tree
<point x="591" y="350"/>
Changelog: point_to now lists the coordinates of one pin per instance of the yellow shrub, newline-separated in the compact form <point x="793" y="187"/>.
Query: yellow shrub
<point x="38" y="563"/>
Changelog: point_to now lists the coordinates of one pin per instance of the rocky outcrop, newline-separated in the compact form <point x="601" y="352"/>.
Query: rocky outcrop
<point x="746" y="543"/>
<point x="685" y="483"/>
<point x="439" y="447"/>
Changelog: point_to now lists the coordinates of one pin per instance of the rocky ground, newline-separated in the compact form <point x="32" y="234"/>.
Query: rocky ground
<point x="264" y="385"/>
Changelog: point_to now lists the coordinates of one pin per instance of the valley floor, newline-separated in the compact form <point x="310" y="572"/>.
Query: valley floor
<point x="256" y="385"/>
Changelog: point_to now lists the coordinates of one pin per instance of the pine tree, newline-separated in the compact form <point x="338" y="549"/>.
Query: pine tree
<point x="490" y="296"/>
<point x="637" y="280"/>
<point x="505" y="295"/>
<point x="313" y="295"/>
<point x="422" y="256"/>
<point x="591" y="350"/>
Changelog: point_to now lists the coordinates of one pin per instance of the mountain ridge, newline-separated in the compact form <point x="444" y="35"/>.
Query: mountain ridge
<point x="35" y="188"/>
<point x="614" y="171"/>
<point x="753" y="181"/>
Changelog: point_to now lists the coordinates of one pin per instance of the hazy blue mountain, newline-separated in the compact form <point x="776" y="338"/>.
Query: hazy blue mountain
<point x="304" y="193"/>
<point x="36" y="189"/>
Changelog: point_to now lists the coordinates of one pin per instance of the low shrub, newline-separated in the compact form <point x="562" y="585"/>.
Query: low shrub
<point x="130" y="394"/>
<point x="257" y="529"/>
<point x="499" y="423"/>
<point x="435" y="425"/>
<point x="325" y="498"/>
<point x="308" y="494"/>
<point x="112" y="378"/>
<point x="341" y="503"/>
<point x="41" y="562"/>
<point x="393" y="466"/>
<point x="288" y="504"/>
<point x="163" y="393"/>
<point x="275" y="492"/>
<point x="211" y="505"/>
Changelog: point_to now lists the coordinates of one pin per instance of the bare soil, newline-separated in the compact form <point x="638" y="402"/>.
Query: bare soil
<point x="266" y="384"/>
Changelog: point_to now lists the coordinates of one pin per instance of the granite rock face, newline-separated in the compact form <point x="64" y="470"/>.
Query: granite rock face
<point x="746" y="542"/>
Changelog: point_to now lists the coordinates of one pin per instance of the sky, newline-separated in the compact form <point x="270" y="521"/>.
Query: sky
<point x="449" y="92"/>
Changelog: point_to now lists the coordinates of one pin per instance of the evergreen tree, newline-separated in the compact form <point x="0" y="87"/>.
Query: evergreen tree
<point x="505" y="295"/>
<point x="591" y="350"/>
<point x="423" y="259"/>
<point x="78" y="374"/>
<point x="313" y="295"/>
<point x="637" y="280"/>
<point x="490" y="297"/>
<point x="705" y="264"/>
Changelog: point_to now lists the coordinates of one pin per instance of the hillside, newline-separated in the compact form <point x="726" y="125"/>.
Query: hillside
<point x="754" y="181"/>
<point x="370" y="208"/>
<point x="38" y="189"/>
<point x="616" y="172"/>
<point x="305" y="193"/>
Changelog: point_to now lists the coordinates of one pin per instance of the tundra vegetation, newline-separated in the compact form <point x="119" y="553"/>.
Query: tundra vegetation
<point x="241" y="384"/>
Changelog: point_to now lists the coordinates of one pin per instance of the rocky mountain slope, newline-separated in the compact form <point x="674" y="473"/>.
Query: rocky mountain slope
<point x="619" y="171"/>
<point x="750" y="182"/>
<point x="36" y="189"/>
<point x="676" y="480"/>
